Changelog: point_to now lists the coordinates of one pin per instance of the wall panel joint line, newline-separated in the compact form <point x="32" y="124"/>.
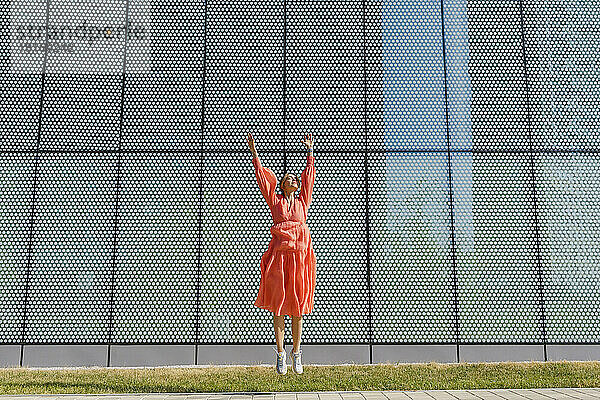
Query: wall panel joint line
<point x="450" y="190"/>
<point x="117" y="190"/>
<point x="366" y="171"/>
<point x="196" y="336"/>
<point x="34" y="190"/>
<point x="533" y="187"/>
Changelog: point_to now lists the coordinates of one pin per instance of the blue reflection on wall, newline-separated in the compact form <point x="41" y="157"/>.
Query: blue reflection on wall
<point x="415" y="99"/>
<point x="413" y="75"/>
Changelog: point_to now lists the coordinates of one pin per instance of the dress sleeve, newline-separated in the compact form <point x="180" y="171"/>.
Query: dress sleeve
<point x="267" y="182"/>
<point x="308" y="180"/>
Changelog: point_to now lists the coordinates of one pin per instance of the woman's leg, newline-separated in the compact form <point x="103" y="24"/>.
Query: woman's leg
<point x="296" y="332"/>
<point x="279" y="325"/>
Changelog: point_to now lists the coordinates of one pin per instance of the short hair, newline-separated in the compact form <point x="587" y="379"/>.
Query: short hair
<point x="298" y="177"/>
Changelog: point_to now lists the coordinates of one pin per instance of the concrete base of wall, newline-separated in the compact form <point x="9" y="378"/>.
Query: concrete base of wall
<point x="501" y="352"/>
<point x="10" y="355"/>
<point x="167" y="355"/>
<point x="409" y="353"/>
<point x="573" y="352"/>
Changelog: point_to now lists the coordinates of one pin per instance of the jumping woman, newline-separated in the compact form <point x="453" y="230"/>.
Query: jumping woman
<point x="288" y="267"/>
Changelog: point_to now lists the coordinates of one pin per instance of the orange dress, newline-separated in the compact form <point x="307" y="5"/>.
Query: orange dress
<point x="288" y="267"/>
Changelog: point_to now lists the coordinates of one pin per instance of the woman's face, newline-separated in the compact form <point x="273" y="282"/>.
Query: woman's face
<point x="290" y="183"/>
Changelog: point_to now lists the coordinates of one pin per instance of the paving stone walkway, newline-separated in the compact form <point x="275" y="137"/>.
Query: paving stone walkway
<point x="479" y="394"/>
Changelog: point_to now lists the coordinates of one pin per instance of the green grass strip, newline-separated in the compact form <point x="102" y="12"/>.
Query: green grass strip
<point x="424" y="376"/>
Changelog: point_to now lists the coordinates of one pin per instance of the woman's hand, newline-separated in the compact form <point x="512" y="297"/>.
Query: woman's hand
<point x="308" y="141"/>
<point x="251" y="143"/>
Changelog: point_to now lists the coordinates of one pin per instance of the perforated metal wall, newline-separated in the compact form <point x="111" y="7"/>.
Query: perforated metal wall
<point x="457" y="157"/>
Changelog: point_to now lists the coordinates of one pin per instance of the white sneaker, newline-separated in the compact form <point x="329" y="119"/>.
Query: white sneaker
<point x="280" y="362"/>
<point x="297" y="361"/>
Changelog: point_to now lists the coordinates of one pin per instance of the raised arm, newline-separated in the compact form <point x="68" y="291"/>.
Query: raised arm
<point x="267" y="182"/>
<point x="308" y="175"/>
